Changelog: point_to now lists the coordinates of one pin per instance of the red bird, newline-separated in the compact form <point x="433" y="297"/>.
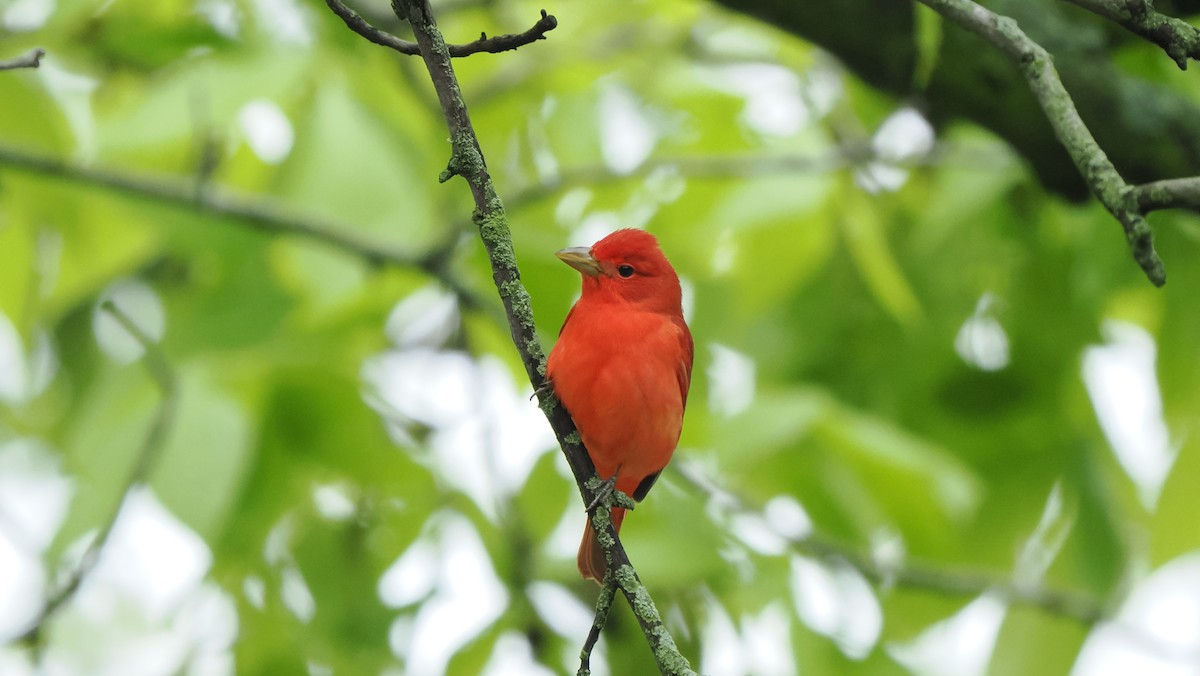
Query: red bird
<point x="622" y="366"/>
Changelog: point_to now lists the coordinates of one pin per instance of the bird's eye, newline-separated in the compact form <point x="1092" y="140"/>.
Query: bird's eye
<point x="625" y="271"/>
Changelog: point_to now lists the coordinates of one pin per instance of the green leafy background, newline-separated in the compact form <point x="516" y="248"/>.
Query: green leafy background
<point x="864" y="428"/>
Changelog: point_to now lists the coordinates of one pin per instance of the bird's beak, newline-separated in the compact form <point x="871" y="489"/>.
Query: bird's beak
<point x="580" y="258"/>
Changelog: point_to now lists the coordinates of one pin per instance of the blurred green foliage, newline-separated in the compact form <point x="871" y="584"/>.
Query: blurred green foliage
<point x="849" y="303"/>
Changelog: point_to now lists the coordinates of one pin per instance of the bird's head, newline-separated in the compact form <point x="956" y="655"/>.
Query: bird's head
<point x="627" y="265"/>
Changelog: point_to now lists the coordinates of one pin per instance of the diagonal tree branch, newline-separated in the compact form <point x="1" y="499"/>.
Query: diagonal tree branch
<point x="467" y="161"/>
<point x="164" y="378"/>
<point x="1091" y="161"/>
<point x="492" y="45"/>
<point x="266" y="217"/>
<point x="1179" y="39"/>
<point x="33" y="59"/>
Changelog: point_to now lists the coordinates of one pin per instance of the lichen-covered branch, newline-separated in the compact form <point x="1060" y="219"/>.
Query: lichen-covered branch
<point x="467" y="161"/>
<point x="916" y="575"/>
<point x="499" y="43"/>
<point x="261" y="216"/>
<point x="1179" y="39"/>
<point x="1173" y="193"/>
<point x="33" y="59"/>
<point x="608" y="592"/>
<point x="1089" y="158"/>
<point x="164" y="378"/>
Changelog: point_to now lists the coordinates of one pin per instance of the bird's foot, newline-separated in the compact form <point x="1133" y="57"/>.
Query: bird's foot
<point x="605" y="494"/>
<point x="602" y="491"/>
<point x="547" y="387"/>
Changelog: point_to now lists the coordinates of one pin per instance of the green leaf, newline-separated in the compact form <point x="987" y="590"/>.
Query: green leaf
<point x="205" y="457"/>
<point x="19" y="274"/>
<point x="867" y="241"/>
<point x="927" y="37"/>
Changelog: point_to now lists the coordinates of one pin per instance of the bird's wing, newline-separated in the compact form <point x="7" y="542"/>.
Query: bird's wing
<point x="686" y="355"/>
<point x="566" y="321"/>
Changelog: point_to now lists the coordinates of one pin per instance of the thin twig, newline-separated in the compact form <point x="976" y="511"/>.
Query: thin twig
<point x="915" y="574"/>
<point x="749" y="167"/>
<point x="1091" y="161"/>
<point x="1179" y="39"/>
<point x="608" y="592"/>
<point x="718" y="167"/>
<point x="164" y="378"/>
<point x="499" y="43"/>
<point x="939" y="579"/>
<point x="262" y="216"/>
<point x="467" y="160"/>
<point x="33" y="59"/>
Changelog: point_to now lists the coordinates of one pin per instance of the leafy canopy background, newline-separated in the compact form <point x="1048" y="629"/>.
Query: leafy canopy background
<point x="905" y="353"/>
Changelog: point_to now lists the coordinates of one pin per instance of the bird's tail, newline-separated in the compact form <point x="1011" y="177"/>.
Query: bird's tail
<point x="591" y="555"/>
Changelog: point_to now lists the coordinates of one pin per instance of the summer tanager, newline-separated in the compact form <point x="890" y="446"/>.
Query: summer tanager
<point x="622" y="366"/>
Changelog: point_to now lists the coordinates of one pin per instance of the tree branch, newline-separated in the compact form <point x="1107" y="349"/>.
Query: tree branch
<point x="1089" y="158"/>
<point x="1175" y="193"/>
<point x="164" y="378"/>
<point x="749" y="167"/>
<point x="608" y="591"/>
<point x="467" y="160"/>
<point x="1179" y="39"/>
<point x="31" y="60"/>
<point x="500" y="43"/>
<point x="916" y="575"/>
<point x="267" y="218"/>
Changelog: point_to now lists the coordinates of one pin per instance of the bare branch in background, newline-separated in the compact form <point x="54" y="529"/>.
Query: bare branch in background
<point x="916" y="575"/>
<point x="492" y="45"/>
<point x="718" y="167"/>
<point x="164" y="378"/>
<point x="31" y="60"/>
<point x="259" y="215"/>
